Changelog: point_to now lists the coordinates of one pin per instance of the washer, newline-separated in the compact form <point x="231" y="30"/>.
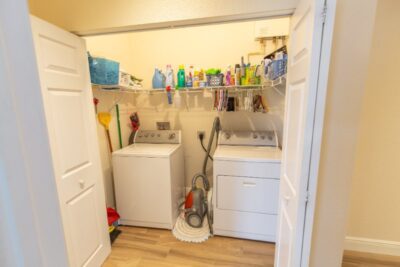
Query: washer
<point x="246" y="185"/>
<point x="149" y="179"/>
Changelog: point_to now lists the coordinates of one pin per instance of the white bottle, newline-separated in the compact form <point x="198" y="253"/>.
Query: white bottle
<point x="169" y="79"/>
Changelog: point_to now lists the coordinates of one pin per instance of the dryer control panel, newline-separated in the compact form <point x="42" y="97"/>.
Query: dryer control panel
<point x="158" y="137"/>
<point x="248" y="138"/>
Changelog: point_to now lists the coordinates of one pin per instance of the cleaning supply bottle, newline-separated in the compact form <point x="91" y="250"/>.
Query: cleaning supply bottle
<point x="196" y="80"/>
<point x="228" y="76"/>
<point x="169" y="79"/>
<point x="157" y="79"/>
<point x="247" y="75"/>
<point x="181" y="76"/>
<point x="189" y="77"/>
<point x="202" y="78"/>
<point x="169" y="96"/>
<point x="237" y="74"/>
<point x="242" y="68"/>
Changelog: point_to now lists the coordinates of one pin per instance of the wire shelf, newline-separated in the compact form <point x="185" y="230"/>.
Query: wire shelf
<point x="279" y="84"/>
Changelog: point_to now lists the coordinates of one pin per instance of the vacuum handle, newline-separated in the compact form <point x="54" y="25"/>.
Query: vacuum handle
<point x="206" y="185"/>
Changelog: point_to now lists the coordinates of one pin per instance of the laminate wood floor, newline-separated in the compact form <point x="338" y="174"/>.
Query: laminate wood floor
<point x="147" y="247"/>
<point x="361" y="259"/>
<point x="140" y="247"/>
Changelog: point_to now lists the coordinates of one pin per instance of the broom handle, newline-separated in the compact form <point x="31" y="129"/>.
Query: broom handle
<point x="109" y="140"/>
<point x="119" y="126"/>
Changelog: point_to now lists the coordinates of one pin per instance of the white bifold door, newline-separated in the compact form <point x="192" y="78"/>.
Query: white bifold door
<point x="305" y="44"/>
<point x="67" y="98"/>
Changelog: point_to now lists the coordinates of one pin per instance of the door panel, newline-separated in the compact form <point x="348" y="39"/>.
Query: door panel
<point x="84" y="227"/>
<point x="68" y="118"/>
<point x="303" y="70"/>
<point x="66" y="63"/>
<point x="292" y="143"/>
<point x="247" y="194"/>
<point x="67" y="97"/>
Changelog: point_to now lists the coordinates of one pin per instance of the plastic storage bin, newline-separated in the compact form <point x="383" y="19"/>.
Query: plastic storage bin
<point x="278" y="68"/>
<point x="103" y="71"/>
<point x="215" y="80"/>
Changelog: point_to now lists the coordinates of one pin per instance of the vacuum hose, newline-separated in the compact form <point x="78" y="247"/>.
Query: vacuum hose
<point x="215" y="129"/>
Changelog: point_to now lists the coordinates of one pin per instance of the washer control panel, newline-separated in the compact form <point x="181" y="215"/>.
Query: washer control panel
<point x="247" y="138"/>
<point x="158" y="137"/>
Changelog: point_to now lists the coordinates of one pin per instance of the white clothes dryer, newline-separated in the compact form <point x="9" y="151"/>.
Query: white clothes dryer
<point x="246" y="185"/>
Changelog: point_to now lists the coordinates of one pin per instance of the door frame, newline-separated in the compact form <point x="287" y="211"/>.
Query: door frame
<point x="17" y="48"/>
<point x="32" y="222"/>
<point x="316" y="138"/>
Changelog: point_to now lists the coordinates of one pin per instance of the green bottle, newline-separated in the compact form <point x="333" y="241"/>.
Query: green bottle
<point x="181" y="77"/>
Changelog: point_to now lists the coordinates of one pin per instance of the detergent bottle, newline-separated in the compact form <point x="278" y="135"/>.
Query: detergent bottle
<point x="181" y="76"/>
<point x="158" y="79"/>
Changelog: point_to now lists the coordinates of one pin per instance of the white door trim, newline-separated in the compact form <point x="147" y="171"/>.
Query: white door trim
<point x="31" y="228"/>
<point x="319" y="114"/>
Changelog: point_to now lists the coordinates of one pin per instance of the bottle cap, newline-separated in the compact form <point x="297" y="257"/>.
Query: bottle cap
<point x="181" y="67"/>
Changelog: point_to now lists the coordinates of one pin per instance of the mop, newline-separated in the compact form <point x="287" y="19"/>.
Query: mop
<point x="194" y="224"/>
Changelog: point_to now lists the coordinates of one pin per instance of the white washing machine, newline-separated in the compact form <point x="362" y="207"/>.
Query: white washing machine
<point x="149" y="179"/>
<point x="246" y="185"/>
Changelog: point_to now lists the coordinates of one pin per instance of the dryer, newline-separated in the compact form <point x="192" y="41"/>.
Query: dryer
<point x="246" y="185"/>
<point x="149" y="179"/>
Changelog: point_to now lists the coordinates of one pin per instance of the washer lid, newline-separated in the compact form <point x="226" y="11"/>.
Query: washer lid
<point x="147" y="150"/>
<point x="248" y="153"/>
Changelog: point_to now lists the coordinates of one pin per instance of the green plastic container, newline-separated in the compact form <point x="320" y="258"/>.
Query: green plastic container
<point x="181" y="77"/>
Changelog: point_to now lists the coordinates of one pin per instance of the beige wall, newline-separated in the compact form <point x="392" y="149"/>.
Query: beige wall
<point x="376" y="181"/>
<point x="93" y="16"/>
<point x="203" y="46"/>
<point x="348" y="69"/>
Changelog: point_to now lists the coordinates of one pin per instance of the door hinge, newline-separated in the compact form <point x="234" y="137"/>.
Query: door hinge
<point x="324" y="12"/>
<point x="307" y="198"/>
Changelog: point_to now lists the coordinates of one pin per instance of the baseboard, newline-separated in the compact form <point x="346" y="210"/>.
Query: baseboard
<point x="372" y="245"/>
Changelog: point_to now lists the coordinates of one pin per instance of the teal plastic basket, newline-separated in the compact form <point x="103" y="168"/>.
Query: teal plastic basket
<point x="103" y="71"/>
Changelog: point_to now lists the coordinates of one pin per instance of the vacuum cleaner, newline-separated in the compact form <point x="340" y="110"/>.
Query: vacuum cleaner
<point x="196" y="203"/>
